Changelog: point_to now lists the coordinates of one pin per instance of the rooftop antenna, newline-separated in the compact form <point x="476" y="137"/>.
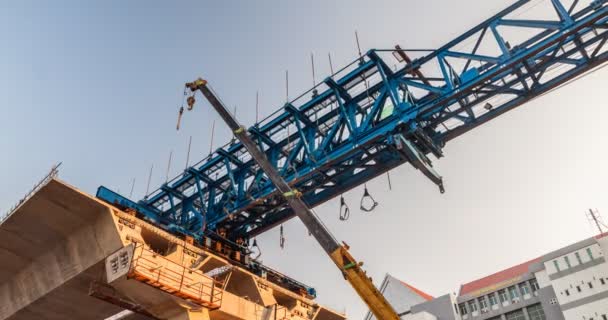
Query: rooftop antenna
<point x="212" y="134"/>
<point x="359" y="48"/>
<point x="132" y="187"/>
<point x="312" y="64"/>
<point x="331" y="66"/>
<point x="314" y="82"/>
<point x="287" y="86"/>
<point x="331" y="69"/>
<point x="168" y="166"/>
<point x="149" y="178"/>
<point x="257" y="107"/>
<point x="597" y="219"/>
<point x="233" y="140"/>
<point x="188" y="154"/>
<point x="361" y="62"/>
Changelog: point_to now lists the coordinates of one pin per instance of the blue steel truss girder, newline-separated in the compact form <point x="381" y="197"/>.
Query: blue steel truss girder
<point x="345" y="133"/>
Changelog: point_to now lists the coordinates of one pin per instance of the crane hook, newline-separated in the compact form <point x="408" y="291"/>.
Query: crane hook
<point x="344" y="210"/>
<point x="190" y="101"/>
<point x="370" y="207"/>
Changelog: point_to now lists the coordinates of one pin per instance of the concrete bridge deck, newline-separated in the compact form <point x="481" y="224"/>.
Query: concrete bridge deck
<point x="54" y="246"/>
<point x="51" y="248"/>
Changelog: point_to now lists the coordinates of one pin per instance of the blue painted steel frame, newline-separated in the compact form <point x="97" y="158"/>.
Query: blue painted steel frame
<point x="353" y="126"/>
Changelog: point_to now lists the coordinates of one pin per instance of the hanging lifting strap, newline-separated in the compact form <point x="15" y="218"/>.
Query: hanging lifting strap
<point x="365" y="196"/>
<point x="179" y="117"/>
<point x="344" y="210"/>
<point x="259" y="250"/>
<point x="282" y="238"/>
<point x="181" y="110"/>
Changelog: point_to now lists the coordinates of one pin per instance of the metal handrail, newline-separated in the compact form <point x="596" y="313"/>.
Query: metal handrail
<point x="173" y="276"/>
<point x="52" y="174"/>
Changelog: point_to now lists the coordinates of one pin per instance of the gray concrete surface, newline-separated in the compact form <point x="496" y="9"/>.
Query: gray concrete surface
<point x="51" y="247"/>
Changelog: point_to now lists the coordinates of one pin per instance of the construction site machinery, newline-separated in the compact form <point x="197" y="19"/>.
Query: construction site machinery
<point x="350" y="268"/>
<point x="369" y="118"/>
<point x="386" y="108"/>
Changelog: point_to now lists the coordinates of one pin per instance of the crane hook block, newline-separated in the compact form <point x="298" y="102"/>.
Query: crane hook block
<point x="190" y="102"/>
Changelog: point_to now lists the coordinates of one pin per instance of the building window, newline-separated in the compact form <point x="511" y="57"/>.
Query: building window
<point x="523" y="288"/>
<point x="536" y="312"/>
<point x="492" y="298"/>
<point x="463" y="309"/>
<point x="513" y="293"/>
<point x="590" y="285"/>
<point x="578" y="288"/>
<point x="602" y="281"/>
<point x="516" y="315"/>
<point x="502" y="294"/>
<point x="483" y="304"/>
<point x="534" y="285"/>
<point x="590" y="253"/>
<point x="567" y="261"/>
<point x="604" y="317"/>
<point x="567" y="292"/>
<point x="473" y="306"/>
<point x="556" y="264"/>
<point x="578" y="257"/>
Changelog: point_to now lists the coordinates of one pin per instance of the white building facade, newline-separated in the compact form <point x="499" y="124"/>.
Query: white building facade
<point x="578" y="275"/>
<point x="567" y="284"/>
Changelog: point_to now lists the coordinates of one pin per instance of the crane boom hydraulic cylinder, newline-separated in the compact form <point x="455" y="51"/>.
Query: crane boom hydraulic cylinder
<point x="350" y="268"/>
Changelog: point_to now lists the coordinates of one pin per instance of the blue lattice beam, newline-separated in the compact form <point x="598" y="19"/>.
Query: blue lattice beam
<point x="369" y="118"/>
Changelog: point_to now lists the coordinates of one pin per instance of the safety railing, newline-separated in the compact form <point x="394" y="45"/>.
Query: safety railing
<point x="52" y="174"/>
<point x="175" y="279"/>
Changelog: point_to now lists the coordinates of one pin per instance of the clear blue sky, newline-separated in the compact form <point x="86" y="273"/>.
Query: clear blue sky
<point x="97" y="85"/>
